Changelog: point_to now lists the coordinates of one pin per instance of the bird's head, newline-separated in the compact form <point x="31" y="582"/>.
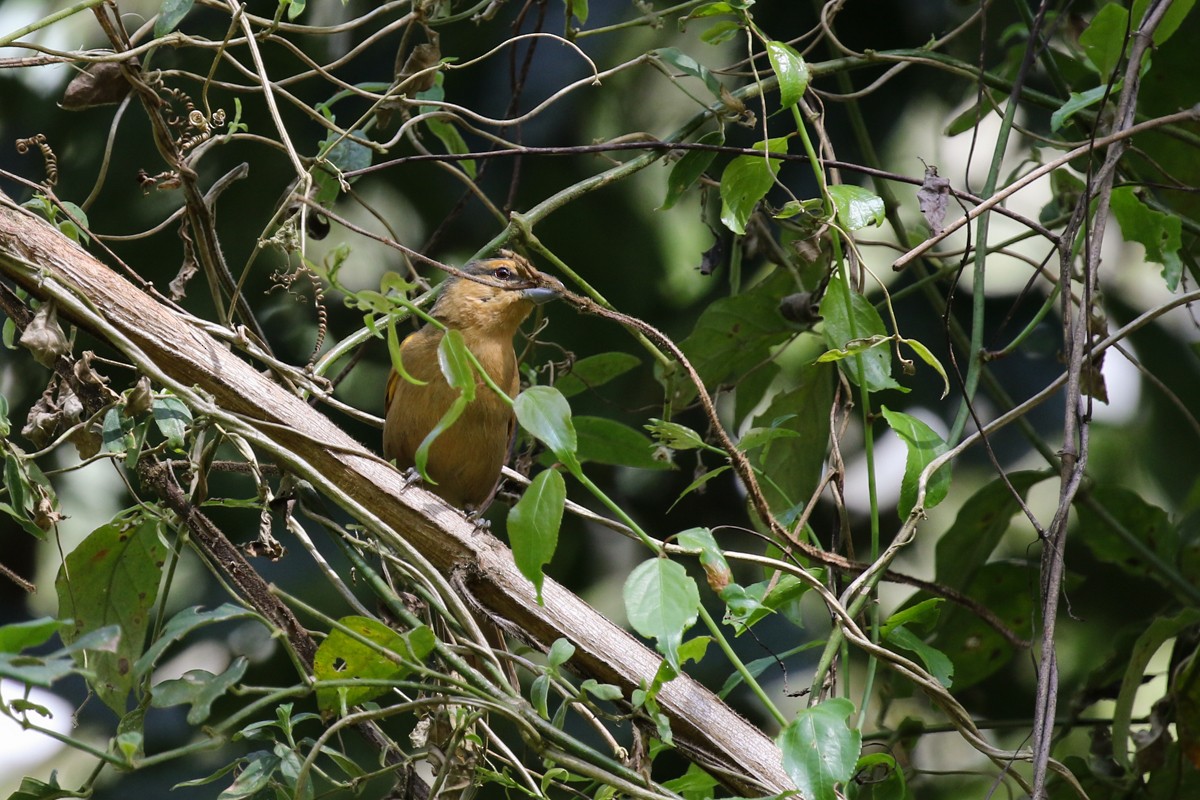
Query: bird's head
<point x="497" y="296"/>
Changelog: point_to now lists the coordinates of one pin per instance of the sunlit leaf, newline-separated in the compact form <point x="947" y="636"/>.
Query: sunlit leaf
<point x="856" y="207"/>
<point x="365" y="648"/>
<point x="791" y="71"/>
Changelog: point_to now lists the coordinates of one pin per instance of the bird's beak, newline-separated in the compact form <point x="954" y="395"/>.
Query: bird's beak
<point x="550" y="289"/>
<point x="540" y="294"/>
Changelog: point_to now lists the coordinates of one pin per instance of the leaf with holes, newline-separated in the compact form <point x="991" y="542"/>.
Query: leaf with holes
<point x="363" y="648"/>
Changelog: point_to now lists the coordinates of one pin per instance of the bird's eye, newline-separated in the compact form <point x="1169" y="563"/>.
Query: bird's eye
<point x="503" y="273"/>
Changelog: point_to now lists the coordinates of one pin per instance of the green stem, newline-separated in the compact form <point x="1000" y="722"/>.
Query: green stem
<point x="50" y="20"/>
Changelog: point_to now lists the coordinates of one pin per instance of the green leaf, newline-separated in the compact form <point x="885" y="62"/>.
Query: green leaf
<point x="68" y="225"/>
<point x="1159" y="233"/>
<point x="1149" y="525"/>
<point x="662" y="601"/>
<point x="934" y="660"/>
<point x="447" y="133"/>
<point x="700" y="481"/>
<point x="1156" y="634"/>
<point x="606" y="441"/>
<point x="881" y="778"/>
<point x="745" y="181"/>
<point x="720" y="32"/>
<point x="172" y="418"/>
<point x="365" y="649"/>
<point x="198" y="688"/>
<point x="1103" y="40"/>
<point x="560" y="653"/>
<point x="1078" y="101"/>
<point x="674" y="435"/>
<point x="689" y="66"/>
<point x="117" y="432"/>
<point x="459" y="372"/>
<point x="17" y="636"/>
<point x="925" y="355"/>
<point x="112" y="577"/>
<point x="795" y="462"/>
<point x="791" y="71"/>
<point x="979" y="651"/>
<point x="180" y="625"/>
<point x="1172" y="18"/>
<point x="340" y="155"/>
<point x="695" y="784"/>
<point x="393" y="343"/>
<point x="922" y="615"/>
<point x="856" y="207"/>
<point x="170" y="14"/>
<point x="578" y="9"/>
<point x="545" y="413"/>
<point x="842" y="334"/>
<point x="256" y="773"/>
<point x="820" y="750"/>
<point x="45" y="670"/>
<point x="689" y="168"/>
<point x="977" y="530"/>
<point x="734" y="335"/>
<point x="924" y="446"/>
<point x="533" y="525"/>
<point x="595" y="371"/>
<point x="716" y="568"/>
<point x="455" y="362"/>
<point x="33" y="789"/>
<point x="758" y="437"/>
<point x="853" y="348"/>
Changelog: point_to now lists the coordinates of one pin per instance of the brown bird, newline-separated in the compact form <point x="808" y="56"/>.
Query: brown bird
<point x="465" y="460"/>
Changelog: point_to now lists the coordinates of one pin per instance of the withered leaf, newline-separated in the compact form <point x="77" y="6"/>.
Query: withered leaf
<point x="101" y="84"/>
<point x="933" y="197"/>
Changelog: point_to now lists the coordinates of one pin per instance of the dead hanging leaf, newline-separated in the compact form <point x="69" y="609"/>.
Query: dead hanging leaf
<point x="1091" y="379"/>
<point x="44" y="336"/>
<point x="44" y="514"/>
<point x="140" y="398"/>
<point x="87" y="376"/>
<point x="44" y="418"/>
<point x="411" y="77"/>
<point x="713" y="257"/>
<point x="800" y="308"/>
<point x="101" y="84"/>
<point x="178" y="284"/>
<point x="933" y="198"/>
<point x="423" y="57"/>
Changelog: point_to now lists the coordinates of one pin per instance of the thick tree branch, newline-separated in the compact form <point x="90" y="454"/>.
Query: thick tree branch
<point x="215" y="381"/>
